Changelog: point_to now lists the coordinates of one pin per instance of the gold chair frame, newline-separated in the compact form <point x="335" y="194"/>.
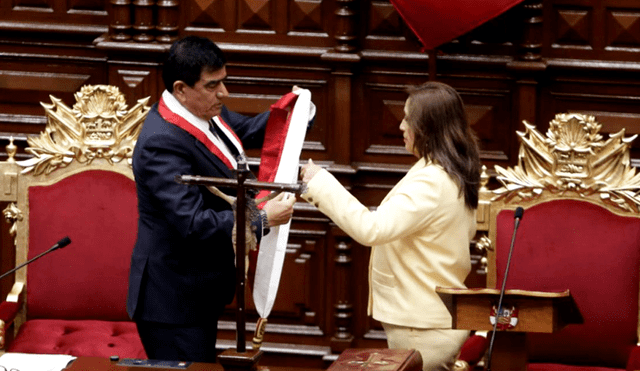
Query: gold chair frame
<point x="572" y="162"/>
<point x="98" y="133"/>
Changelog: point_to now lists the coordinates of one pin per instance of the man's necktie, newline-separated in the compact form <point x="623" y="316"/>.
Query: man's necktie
<point x="222" y="136"/>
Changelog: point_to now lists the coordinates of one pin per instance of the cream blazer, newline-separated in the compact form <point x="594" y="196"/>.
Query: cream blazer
<point x="419" y="236"/>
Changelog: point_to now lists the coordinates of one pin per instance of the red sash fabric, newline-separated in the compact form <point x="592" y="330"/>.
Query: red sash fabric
<point x="180" y="122"/>
<point x="275" y="136"/>
<point x="436" y="22"/>
<point x="274" y="139"/>
<point x="271" y="154"/>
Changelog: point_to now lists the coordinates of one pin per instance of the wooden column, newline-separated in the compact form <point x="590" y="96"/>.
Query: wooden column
<point x="120" y="20"/>
<point x="528" y="68"/>
<point x="343" y="281"/>
<point x="344" y="60"/>
<point x="167" y="24"/>
<point x="143" y="23"/>
<point x="531" y="45"/>
<point x="345" y="26"/>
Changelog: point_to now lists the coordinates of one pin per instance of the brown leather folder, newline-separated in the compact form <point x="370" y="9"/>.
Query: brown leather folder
<point x="378" y="360"/>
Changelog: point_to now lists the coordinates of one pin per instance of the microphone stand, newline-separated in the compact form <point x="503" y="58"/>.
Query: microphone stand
<point x="60" y="244"/>
<point x="518" y="215"/>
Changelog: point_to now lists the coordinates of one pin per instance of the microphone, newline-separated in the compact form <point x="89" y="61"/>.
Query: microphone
<point x="517" y="217"/>
<point x="58" y="245"/>
<point x="64" y="241"/>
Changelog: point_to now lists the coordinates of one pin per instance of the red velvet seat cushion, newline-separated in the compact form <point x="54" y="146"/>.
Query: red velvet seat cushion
<point x="89" y="338"/>
<point x="473" y="349"/>
<point x="592" y="252"/>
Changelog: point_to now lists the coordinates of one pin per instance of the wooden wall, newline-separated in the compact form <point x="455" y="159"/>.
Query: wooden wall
<point x="356" y="56"/>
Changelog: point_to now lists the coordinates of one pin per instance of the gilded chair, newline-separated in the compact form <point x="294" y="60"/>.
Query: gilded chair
<point x="79" y="183"/>
<point x="580" y="232"/>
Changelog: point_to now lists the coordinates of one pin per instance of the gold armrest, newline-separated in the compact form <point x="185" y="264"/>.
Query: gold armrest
<point x="16" y="291"/>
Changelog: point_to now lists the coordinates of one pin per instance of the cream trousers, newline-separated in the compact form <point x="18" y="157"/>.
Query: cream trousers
<point x="438" y="347"/>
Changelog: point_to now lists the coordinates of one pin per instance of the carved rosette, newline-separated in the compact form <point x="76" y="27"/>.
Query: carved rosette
<point x="98" y="126"/>
<point x="573" y="157"/>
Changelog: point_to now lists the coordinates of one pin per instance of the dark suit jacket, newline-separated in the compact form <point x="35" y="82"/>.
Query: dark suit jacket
<point x="182" y="266"/>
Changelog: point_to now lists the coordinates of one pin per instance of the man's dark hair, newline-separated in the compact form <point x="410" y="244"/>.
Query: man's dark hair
<point x="188" y="58"/>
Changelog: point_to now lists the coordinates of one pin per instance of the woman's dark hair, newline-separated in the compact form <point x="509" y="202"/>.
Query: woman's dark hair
<point x="442" y="133"/>
<point x="188" y="57"/>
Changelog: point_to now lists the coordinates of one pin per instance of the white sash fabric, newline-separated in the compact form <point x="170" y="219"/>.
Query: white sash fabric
<point x="273" y="246"/>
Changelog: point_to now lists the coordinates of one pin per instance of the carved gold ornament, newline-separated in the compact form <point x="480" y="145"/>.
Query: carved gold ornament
<point x="13" y="215"/>
<point x="573" y="157"/>
<point x="98" y="126"/>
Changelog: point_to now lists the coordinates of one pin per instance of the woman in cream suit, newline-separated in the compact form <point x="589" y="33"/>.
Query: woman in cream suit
<point x="420" y="233"/>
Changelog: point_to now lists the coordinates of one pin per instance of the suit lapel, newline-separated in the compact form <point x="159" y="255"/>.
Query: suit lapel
<point x="202" y="140"/>
<point x="215" y="160"/>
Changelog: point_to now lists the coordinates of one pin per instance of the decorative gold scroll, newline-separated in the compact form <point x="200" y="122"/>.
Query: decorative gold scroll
<point x="98" y="126"/>
<point x="573" y="157"/>
<point x="13" y="215"/>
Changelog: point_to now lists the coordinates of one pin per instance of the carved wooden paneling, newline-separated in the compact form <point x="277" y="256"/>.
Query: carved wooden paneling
<point x="573" y="27"/>
<point x="488" y="111"/>
<point x="382" y="132"/>
<point x="27" y="83"/>
<point x="584" y="29"/>
<point x="34" y="5"/>
<point x="256" y="15"/>
<point x="386" y="29"/>
<point x="302" y="22"/>
<point x="384" y="20"/>
<point x="136" y="83"/>
<point x="212" y="14"/>
<point x="611" y="97"/>
<point x="305" y="16"/>
<point x="87" y="7"/>
<point x="75" y="16"/>
<point x="253" y="88"/>
<point x="537" y="59"/>
<point x="622" y="28"/>
<point x="301" y="293"/>
<point x="379" y="138"/>
<point x="301" y="312"/>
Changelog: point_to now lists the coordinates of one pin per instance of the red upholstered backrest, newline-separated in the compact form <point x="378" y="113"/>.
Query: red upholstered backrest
<point x="88" y="278"/>
<point x="575" y="245"/>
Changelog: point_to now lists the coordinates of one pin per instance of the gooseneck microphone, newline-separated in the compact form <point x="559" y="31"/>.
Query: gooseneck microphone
<point x="58" y="245"/>
<point x="517" y="217"/>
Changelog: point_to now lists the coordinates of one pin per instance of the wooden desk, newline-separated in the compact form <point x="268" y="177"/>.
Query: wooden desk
<point x="544" y="312"/>
<point x="104" y="364"/>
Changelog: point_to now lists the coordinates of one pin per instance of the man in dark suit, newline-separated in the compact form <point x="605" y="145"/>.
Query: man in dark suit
<point x="183" y="267"/>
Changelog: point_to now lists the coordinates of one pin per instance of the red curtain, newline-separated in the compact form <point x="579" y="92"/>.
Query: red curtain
<point x="436" y="22"/>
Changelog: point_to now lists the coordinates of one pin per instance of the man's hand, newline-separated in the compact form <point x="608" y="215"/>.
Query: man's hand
<point x="279" y="210"/>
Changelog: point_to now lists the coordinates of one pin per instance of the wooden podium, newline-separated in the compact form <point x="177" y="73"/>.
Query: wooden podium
<point x="526" y="311"/>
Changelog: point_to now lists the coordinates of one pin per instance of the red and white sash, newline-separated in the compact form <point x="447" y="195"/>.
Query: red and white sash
<point x="279" y="162"/>
<point x="179" y="116"/>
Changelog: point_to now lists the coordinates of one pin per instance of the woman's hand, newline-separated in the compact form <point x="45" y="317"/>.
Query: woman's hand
<point x="308" y="171"/>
